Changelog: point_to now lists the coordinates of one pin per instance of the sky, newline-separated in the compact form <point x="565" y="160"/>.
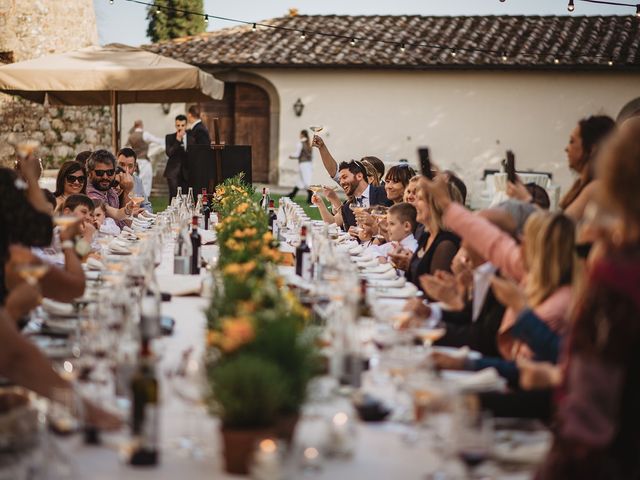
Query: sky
<point x="125" y="22"/>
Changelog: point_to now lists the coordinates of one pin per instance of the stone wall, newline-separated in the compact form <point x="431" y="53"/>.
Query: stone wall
<point x="34" y="28"/>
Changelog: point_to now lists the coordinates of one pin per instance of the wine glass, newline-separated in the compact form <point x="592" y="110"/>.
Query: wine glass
<point x="315" y="189"/>
<point x="379" y="213"/>
<point x="473" y="434"/>
<point x="64" y="221"/>
<point x="316" y="129"/>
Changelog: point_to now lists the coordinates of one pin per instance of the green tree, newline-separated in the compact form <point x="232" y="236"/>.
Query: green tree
<point x="165" y="23"/>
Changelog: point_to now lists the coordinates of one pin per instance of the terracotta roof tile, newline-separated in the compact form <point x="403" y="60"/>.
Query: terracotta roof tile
<point x="579" y="41"/>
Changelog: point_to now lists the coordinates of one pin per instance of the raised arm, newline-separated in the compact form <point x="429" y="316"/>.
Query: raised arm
<point x="330" y="164"/>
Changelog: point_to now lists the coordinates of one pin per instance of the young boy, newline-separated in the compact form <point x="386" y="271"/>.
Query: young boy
<point x="401" y="219"/>
<point x="82" y="207"/>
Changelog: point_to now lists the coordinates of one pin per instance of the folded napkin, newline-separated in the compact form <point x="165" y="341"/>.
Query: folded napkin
<point x="117" y="247"/>
<point x="408" y="291"/>
<point x="363" y="258"/>
<point x="389" y="274"/>
<point x="462" y="352"/>
<point x="357" y="250"/>
<point x="380" y="268"/>
<point x="180" y="285"/>
<point x="369" y="263"/>
<point x="208" y="236"/>
<point x="486" y="380"/>
<point x="127" y="229"/>
<point x="387" y="283"/>
<point x="95" y="264"/>
<point x="59" y="309"/>
<point x="516" y="447"/>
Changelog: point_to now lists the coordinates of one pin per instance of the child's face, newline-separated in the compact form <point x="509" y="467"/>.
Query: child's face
<point x="81" y="211"/>
<point x="98" y="215"/>
<point x="398" y="230"/>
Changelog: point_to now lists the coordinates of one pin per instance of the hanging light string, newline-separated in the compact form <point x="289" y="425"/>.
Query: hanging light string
<point x="402" y="46"/>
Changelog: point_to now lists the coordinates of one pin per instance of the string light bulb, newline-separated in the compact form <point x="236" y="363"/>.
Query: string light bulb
<point x="353" y="42"/>
<point x="556" y="60"/>
<point x="454" y="52"/>
<point x="254" y="28"/>
<point x="206" y="19"/>
<point x="110" y="2"/>
<point x="638" y="10"/>
<point x="571" y="7"/>
<point x="157" y="10"/>
<point x="303" y="35"/>
<point x="505" y="57"/>
<point x="402" y="47"/>
<point x="610" y="62"/>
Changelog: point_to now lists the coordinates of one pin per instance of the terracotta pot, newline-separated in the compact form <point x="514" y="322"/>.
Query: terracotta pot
<point x="239" y="446"/>
<point x="286" y="427"/>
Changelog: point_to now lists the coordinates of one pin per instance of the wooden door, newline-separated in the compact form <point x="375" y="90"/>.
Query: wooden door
<point x="244" y="120"/>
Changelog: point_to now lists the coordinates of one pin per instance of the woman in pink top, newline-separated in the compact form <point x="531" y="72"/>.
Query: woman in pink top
<point x="543" y="263"/>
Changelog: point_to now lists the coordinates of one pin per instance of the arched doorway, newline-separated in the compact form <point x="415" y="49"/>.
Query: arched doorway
<point x="244" y="114"/>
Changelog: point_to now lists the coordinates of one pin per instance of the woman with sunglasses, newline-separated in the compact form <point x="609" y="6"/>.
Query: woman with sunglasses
<point x="72" y="180"/>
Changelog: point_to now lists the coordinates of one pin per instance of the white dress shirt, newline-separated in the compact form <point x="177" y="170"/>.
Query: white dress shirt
<point x="408" y="243"/>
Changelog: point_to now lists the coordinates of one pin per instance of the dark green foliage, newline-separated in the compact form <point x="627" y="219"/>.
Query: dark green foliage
<point x="165" y="24"/>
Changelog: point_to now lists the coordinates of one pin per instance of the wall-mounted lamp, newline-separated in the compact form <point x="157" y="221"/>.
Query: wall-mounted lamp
<point x="166" y="108"/>
<point x="298" y="107"/>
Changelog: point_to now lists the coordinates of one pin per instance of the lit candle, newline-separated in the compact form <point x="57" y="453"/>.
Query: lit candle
<point x="266" y="462"/>
<point x="341" y="435"/>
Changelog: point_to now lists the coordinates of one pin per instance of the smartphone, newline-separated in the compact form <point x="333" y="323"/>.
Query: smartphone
<point x="510" y="167"/>
<point x="425" y="162"/>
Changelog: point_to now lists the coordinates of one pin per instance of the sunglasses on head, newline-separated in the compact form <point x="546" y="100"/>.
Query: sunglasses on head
<point x="108" y="173"/>
<point x="75" y="179"/>
<point x="360" y="166"/>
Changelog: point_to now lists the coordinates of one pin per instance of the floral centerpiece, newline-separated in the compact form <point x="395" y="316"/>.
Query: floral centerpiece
<point x="261" y="355"/>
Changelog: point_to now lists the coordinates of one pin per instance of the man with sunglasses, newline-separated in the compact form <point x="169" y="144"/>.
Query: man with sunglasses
<point x="353" y="180"/>
<point x="101" y="166"/>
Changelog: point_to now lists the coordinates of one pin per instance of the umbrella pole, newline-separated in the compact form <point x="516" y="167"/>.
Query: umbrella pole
<point x="115" y="141"/>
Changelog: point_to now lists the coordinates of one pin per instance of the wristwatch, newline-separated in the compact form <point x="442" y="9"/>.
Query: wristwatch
<point x="67" y="244"/>
<point x="82" y="247"/>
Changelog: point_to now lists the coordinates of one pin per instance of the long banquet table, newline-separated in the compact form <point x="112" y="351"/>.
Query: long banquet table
<point x="382" y="451"/>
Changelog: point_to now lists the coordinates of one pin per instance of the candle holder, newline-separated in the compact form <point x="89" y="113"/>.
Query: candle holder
<point x="341" y="437"/>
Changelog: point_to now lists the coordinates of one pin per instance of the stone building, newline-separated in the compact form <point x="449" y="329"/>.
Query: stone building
<point x="31" y="29"/>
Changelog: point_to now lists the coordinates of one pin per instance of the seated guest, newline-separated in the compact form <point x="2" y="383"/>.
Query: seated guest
<point x="437" y="246"/>
<point x="24" y="364"/>
<point x="104" y="224"/>
<point x="402" y="223"/>
<point x="597" y="424"/>
<point x="353" y="180"/>
<point x="83" y="156"/>
<point x="82" y="207"/>
<point x="71" y="180"/>
<point x="544" y="265"/>
<point x="101" y="167"/>
<point x="332" y="167"/>
<point x="127" y="161"/>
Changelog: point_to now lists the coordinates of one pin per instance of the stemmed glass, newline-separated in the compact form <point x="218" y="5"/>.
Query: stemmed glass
<point x="32" y="272"/>
<point x="315" y="189"/>
<point x="379" y="213"/>
<point x="473" y="434"/>
<point x="316" y="129"/>
<point x="136" y="199"/>
<point x="356" y="207"/>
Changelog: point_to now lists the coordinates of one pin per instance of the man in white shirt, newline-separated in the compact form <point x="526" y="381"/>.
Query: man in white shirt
<point x="139" y="141"/>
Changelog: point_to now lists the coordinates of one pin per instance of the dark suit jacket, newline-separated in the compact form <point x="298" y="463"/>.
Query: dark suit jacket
<point x="377" y="196"/>
<point x="176" y="168"/>
<point x="200" y="134"/>
<point x="200" y="163"/>
<point x="479" y="335"/>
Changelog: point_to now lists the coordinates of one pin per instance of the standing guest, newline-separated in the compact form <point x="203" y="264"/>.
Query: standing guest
<point x="139" y="141"/>
<point x="71" y="180"/>
<point x="175" y="146"/>
<point x="305" y="166"/>
<point x="127" y="160"/>
<point x="597" y="428"/>
<point x="199" y="165"/>
<point x="397" y="180"/>
<point x="83" y="156"/>
<point x="102" y="175"/>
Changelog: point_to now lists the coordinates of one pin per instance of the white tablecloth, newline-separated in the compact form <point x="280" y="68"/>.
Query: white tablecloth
<point x="381" y="452"/>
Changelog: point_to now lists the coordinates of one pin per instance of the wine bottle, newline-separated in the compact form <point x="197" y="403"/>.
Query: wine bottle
<point x="197" y="212"/>
<point x="196" y="241"/>
<point x="190" y="199"/>
<point x="144" y="410"/>
<point x="273" y="220"/>
<point x="364" y="309"/>
<point x="303" y="256"/>
<point x="182" y="253"/>
<point x="206" y="209"/>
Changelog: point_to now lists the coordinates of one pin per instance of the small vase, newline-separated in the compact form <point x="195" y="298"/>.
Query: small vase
<point x="239" y="446"/>
<point x="286" y="427"/>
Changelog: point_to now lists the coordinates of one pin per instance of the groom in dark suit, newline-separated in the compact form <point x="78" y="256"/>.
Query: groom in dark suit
<point x="176" y="148"/>
<point x="352" y="177"/>
<point x="200" y="166"/>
